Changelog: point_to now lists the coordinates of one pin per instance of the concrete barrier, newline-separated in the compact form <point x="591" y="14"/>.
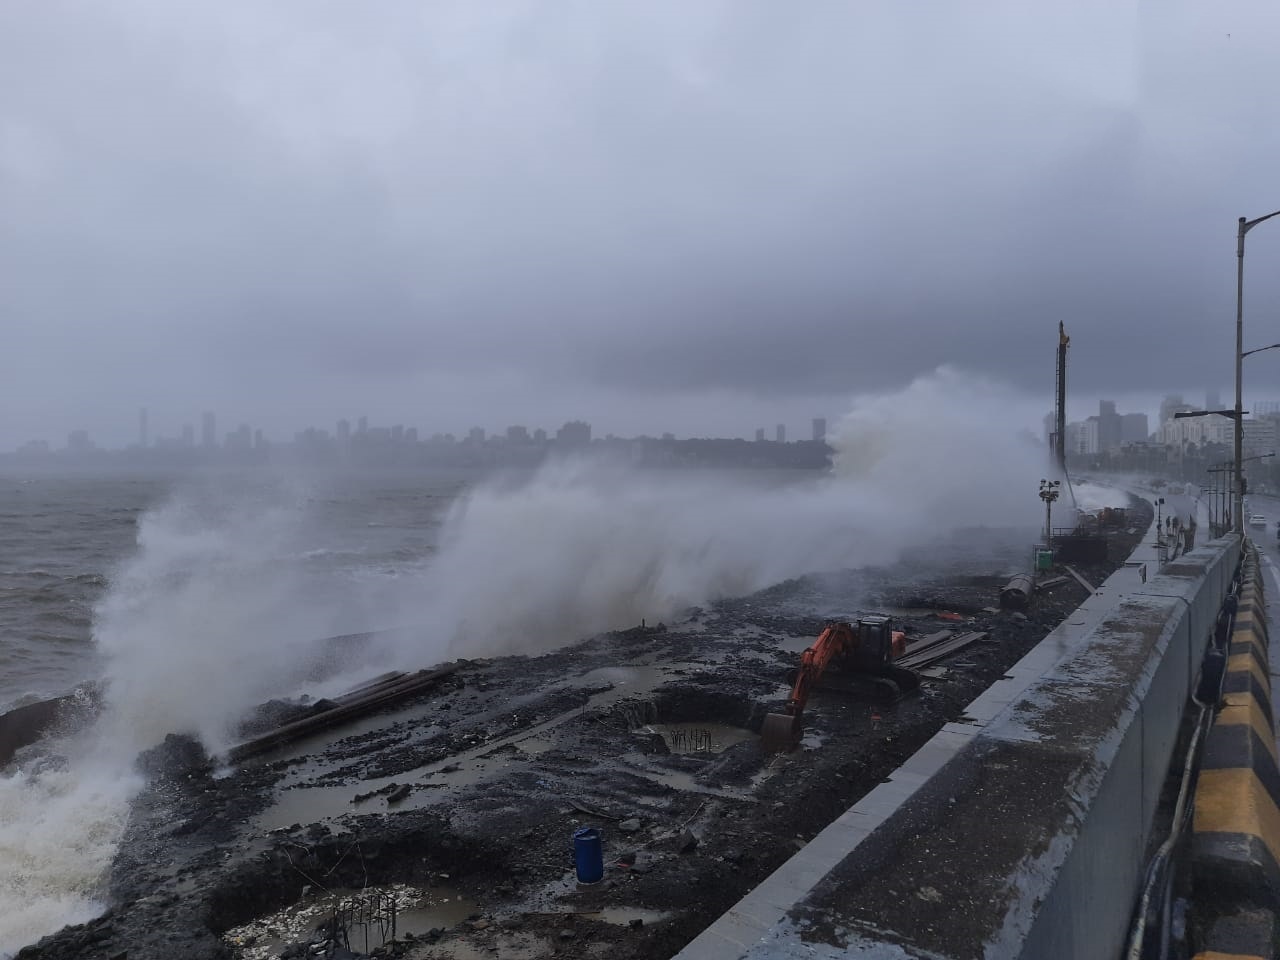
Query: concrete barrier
<point x="1021" y="830"/>
<point x="1235" y="851"/>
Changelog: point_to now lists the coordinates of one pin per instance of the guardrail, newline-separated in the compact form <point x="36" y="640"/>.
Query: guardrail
<point x="1235" y="851"/>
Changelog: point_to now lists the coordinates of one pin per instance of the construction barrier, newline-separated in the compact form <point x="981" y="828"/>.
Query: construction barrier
<point x="1235" y="849"/>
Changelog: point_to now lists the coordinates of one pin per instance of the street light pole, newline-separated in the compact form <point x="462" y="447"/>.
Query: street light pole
<point x="1238" y="498"/>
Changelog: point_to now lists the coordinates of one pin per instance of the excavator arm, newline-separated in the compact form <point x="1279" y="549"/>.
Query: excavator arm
<point x="781" y="731"/>
<point x="868" y="651"/>
<point x="835" y="639"/>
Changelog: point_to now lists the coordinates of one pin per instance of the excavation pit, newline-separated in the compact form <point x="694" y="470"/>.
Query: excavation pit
<point x="699" y="737"/>
<point x="367" y="913"/>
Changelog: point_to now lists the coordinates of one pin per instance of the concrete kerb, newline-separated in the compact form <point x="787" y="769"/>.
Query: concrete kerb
<point x="1069" y="899"/>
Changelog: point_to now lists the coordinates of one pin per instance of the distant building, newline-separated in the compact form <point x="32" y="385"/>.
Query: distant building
<point x="1212" y="401"/>
<point x="411" y="435"/>
<point x="668" y="437"/>
<point x="516" y="434"/>
<point x="344" y="432"/>
<point x="760" y="435"/>
<point x="780" y="433"/>
<point x="242" y="439"/>
<point x="575" y="433"/>
<point x="1110" y="426"/>
<point x="1133" y="428"/>
<point x="362" y="425"/>
<point x="78" y="441"/>
<point x="539" y="436"/>
<point x="397" y="433"/>
<point x="1198" y="430"/>
<point x="188" y="435"/>
<point x="208" y="430"/>
<point x="1259" y="436"/>
<point x="819" y="429"/>
<point x="1172" y="404"/>
<point x="476" y="435"/>
<point x="1082" y="437"/>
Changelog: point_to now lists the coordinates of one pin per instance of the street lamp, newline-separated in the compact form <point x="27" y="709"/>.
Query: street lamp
<point x="1224" y="467"/>
<point x="1238" y="501"/>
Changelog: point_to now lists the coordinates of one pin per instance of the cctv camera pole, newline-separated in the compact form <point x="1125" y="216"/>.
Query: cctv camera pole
<point x="1049" y="490"/>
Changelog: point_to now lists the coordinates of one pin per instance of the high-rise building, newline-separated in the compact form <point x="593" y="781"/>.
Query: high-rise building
<point x="1173" y="404"/>
<point x="780" y="433"/>
<point x="362" y="425"/>
<point x="1133" y="428"/>
<point x="539" y="436"/>
<point x="476" y="435"/>
<point x="1082" y="437"/>
<point x="516" y="434"/>
<point x="759" y="434"/>
<point x="78" y="441"/>
<point x="208" y="430"/>
<point x="1110" y="426"/>
<point x="1259" y="436"/>
<point x="819" y="429"/>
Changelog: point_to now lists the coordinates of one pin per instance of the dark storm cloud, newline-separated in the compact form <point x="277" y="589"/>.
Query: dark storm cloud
<point x="310" y="204"/>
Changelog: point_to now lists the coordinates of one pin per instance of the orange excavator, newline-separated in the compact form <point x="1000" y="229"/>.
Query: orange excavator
<point x="865" y="651"/>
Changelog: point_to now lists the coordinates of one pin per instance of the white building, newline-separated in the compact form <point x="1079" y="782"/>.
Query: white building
<point x="1082" y="436"/>
<point x="1259" y="436"/>
<point x="1197" y="430"/>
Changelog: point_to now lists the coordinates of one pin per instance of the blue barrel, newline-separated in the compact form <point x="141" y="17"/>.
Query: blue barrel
<point x="588" y="854"/>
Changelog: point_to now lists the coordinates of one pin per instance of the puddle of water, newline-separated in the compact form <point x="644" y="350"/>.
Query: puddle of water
<point x="550" y="899"/>
<point x="535" y="745"/>
<point x="637" y="765"/>
<point x="507" y="946"/>
<point x="708" y="738"/>
<point x="624" y="915"/>
<point x="416" y="911"/>
<point x="314" y="804"/>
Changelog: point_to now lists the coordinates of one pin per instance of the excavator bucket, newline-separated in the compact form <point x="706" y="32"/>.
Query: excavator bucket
<point x="780" y="733"/>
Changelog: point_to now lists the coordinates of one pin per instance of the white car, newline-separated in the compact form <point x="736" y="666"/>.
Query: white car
<point x="1258" y="520"/>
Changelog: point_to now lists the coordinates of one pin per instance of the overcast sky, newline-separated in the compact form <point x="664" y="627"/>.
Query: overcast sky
<point x="689" y="215"/>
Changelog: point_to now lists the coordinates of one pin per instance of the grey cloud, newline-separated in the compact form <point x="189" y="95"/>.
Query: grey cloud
<point x="270" y="203"/>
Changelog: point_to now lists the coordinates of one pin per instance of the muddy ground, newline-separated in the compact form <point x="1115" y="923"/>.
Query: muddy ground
<point x="460" y="804"/>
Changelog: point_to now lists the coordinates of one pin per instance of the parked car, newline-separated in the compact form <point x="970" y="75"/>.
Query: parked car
<point x="1258" y="520"/>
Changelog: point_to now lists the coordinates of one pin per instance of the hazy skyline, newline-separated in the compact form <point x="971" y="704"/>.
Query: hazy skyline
<point x="698" y="217"/>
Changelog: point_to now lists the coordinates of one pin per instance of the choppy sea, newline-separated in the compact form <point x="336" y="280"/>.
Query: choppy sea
<point x="188" y="596"/>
